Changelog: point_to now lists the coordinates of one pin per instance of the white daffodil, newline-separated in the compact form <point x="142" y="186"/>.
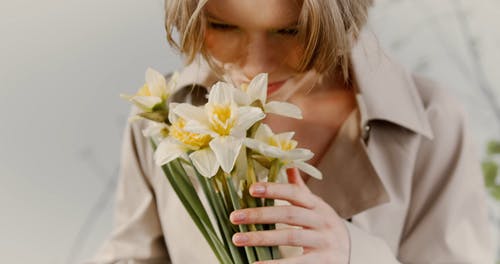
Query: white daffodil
<point x="156" y="130"/>
<point x="256" y="90"/>
<point x="224" y="120"/>
<point x="154" y="93"/>
<point x="180" y="142"/>
<point x="283" y="147"/>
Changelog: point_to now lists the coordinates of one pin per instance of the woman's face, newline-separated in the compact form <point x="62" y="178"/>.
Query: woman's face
<point x="252" y="36"/>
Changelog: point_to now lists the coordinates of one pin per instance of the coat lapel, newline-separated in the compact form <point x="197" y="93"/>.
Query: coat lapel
<point x="350" y="183"/>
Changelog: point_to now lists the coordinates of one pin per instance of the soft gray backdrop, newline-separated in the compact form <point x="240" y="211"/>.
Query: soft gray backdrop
<point x="63" y="64"/>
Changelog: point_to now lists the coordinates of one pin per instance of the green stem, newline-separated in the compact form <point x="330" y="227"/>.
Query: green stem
<point x="226" y="226"/>
<point x="210" y="194"/>
<point x="273" y="176"/>
<point x="263" y="252"/>
<point x="225" y="189"/>
<point x="250" y="251"/>
<point x="186" y="197"/>
<point x="205" y="227"/>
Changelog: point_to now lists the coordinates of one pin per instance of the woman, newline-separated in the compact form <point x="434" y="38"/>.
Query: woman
<point x="400" y="181"/>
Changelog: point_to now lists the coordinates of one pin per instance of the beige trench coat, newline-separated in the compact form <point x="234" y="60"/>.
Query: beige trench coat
<point x="402" y="168"/>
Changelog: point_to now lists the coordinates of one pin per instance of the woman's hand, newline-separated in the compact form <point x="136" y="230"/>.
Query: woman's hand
<point x="323" y="236"/>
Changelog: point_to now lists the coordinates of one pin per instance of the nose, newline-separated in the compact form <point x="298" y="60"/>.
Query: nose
<point x="261" y="56"/>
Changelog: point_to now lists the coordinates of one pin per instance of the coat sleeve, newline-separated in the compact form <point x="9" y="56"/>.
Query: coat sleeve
<point x="448" y="221"/>
<point x="367" y="248"/>
<point x="448" y="218"/>
<point x="137" y="236"/>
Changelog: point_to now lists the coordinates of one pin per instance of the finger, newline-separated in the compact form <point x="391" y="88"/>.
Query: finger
<point x="306" y="258"/>
<point x="280" y="237"/>
<point x="286" y="214"/>
<point x="294" y="176"/>
<point x="292" y="193"/>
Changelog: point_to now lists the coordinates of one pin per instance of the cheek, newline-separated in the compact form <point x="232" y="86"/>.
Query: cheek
<point x="222" y="46"/>
<point x="295" y="54"/>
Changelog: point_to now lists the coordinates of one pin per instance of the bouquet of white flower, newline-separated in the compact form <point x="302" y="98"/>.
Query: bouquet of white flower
<point x="227" y="147"/>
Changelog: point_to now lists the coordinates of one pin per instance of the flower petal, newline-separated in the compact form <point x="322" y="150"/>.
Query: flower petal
<point x="199" y="128"/>
<point x="307" y="168"/>
<point x="146" y="103"/>
<point x="221" y="93"/>
<point x="247" y="116"/>
<point x="126" y="96"/>
<point x="154" y="129"/>
<point x="265" y="149"/>
<point x="241" y="98"/>
<point x="226" y="150"/>
<point x="285" y="136"/>
<point x="156" y="83"/>
<point x="191" y="112"/>
<point x="298" y="154"/>
<point x="172" y="83"/>
<point x="241" y="165"/>
<point x="263" y="133"/>
<point x="283" y="109"/>
<point x="172" y="116"/>
<point x="257" y="89"/>
<point x="205" y="162"/>
<point x="168" y="150"/>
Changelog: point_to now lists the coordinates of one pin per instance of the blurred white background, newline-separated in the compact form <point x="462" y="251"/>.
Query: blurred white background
<point x="64" y="63"/>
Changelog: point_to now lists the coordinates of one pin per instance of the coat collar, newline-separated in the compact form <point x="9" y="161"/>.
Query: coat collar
<point x="386" y="90"/>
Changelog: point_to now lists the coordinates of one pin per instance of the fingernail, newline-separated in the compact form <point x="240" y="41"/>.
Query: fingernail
<point x="258" y="189"/>
<point x="240" y="238"/>
<point x="237" y="216"/>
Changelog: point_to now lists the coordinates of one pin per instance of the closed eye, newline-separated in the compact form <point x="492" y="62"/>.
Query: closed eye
<point x="288" y="31"/>
<point x="221" y="26"/>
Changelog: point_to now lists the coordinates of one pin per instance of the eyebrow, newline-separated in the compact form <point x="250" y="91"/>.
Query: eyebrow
<point x="213" y="17"/>
<point x="217" y="19"/>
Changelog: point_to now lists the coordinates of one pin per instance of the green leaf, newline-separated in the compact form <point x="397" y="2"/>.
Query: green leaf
<point x="495" y="192"/>
<point x="490" y="172"/>
<point x="493" y="147"/>
<point x="157" y="116"/>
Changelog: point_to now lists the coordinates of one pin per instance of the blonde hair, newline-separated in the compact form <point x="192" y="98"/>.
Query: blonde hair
<point x="326" y="28"/>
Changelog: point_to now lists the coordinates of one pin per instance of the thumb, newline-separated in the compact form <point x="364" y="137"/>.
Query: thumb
<point x="294" y="176"/>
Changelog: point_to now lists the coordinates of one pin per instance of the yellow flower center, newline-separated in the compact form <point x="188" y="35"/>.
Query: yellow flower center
<point x="285" y="145"/>
<point x="144" y="91"/>
<point x="194" y="140"/>
<point x="164" y="132"/>
<point x="220" y="119"/>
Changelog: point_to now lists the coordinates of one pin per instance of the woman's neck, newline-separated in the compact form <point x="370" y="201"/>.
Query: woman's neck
<point x="324" y="108"/>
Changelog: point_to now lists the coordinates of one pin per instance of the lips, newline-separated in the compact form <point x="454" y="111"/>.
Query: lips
<point x="273" y="87"/>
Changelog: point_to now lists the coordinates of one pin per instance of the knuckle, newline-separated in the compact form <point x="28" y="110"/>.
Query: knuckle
<point x="293" y="237"/>
<point x="327" y="223"/>
<point x="325" y="242"/>
<point x="315" y="200"/>
<point x="256" y="214"/>
<point x="257" y="238"/>
<point x="297" y="191"/>
<point x="289" y="215"/>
